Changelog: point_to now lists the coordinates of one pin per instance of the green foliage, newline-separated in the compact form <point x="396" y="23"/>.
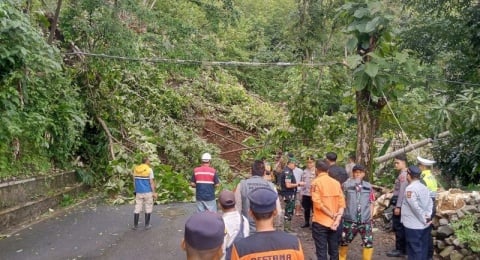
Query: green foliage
<point x="378" y="65"/>
<point x="334" y="133"/>
<point x="467" y="231"/>
<point x="316" y="93"/>
<point x="172" y="186"/>
<point x="459" y="154"/>
<point x="67" y="200"/>
<point x="41" y="116"/>
<point x="445" y="34"/>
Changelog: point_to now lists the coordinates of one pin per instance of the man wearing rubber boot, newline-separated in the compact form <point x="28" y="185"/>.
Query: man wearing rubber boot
<point x="397" y="200"/>
<point x="357" y="217"/>
<point x="288" y="185"/>
<point x="328" y="205"/>
<point x="144" y="189"/>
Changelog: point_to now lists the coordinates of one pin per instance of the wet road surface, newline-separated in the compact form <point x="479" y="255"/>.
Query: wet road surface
<point x="100" y="231"/>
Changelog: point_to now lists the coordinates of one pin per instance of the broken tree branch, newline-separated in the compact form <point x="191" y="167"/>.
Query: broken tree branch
<point x="109" y="136"/>
<point x="409" y="148"/>
<point x="228" y="126"/>
<point x="224" y="137"/>
<point x="241" y="149"/>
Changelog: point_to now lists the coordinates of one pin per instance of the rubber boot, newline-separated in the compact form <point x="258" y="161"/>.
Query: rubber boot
<point x="367" y="253"/>
<point x="147" y="221"/>
<point x="342" y="252"/>
<point x="136" y="216"/>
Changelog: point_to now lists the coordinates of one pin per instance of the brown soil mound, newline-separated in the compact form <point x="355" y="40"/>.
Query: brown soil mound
<point x="229" y="139"/>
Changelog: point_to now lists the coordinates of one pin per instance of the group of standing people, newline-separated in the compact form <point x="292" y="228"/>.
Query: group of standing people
<point x="248" y="221"/>
<point x="414" y="208"/>
<point x="341" y="202"/>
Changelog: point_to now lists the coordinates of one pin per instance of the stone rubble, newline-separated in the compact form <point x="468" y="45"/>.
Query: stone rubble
<point x="452" y="205"/>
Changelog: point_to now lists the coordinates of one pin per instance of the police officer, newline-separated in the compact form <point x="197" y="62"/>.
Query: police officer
<point x="416" y="215"/>
<point x="397" y="200"/>
<point x="429" y="180"/>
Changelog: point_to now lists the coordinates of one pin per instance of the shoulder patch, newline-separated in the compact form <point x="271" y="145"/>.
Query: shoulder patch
<point x="409" y="194"/>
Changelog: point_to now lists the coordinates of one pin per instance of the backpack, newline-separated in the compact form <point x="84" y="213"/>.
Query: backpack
<point x="239" y="236"/>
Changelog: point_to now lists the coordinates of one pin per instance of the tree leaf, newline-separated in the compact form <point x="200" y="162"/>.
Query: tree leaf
<point x="361" y="12"/>
<point x="372" y="25"/>
<point x="354" y="61"/>
<point x="371" y="69"/>
<point x="360" y="81"/>
<point x="352" y="43"/>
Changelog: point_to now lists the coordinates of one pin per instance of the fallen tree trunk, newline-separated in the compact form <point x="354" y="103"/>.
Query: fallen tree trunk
<point x="408" y="148"/>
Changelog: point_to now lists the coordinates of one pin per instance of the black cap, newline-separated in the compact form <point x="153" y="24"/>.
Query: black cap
<point x="358" y="167"/>
<point x="263" y="200"/>
<point x="204" y="230"/>
<point x="414" y="171"/>
<point x="226" y="198"/>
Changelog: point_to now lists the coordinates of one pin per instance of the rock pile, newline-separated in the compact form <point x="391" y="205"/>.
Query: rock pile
<point x="452" y="205"/>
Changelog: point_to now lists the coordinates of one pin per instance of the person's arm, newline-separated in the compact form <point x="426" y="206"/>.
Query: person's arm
<point x="372" y="203"/>
<point x="216" y="180"/>
<point x="401" y="193"/>
<point x="341" y="207"/>
<point x="303" y="179"/>
<point x="192" y="181"/>
<point x="152" y="185"/>
<point x="413" y="202"/>
<point x="238" y="197"/>
<point x="341" y="203"/>
<point x="292" y="183"/>
<point x="133" y="176"/>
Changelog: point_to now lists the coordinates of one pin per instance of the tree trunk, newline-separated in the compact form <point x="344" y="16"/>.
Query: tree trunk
<point x="53" y="26"/>
<point x="368" y="117"/>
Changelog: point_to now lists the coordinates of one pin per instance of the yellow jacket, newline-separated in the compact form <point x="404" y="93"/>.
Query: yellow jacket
<point x="430" y="180"/>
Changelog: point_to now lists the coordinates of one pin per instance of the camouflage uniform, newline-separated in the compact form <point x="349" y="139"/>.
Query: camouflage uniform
<point x="357" y="215"/>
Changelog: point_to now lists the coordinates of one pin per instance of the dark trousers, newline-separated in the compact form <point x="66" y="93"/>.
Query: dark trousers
<point x="289" y="205"/>
<point x="340" y="231"/>
<point x="399" y="234"/>
<point x="326" y="241"/>
<point x="429" y="231"/>
<point x="417" y="243"/>
<point x="307" y="207"/>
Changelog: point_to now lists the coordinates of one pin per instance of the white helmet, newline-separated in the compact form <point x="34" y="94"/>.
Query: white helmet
<point x="425" y="162"/>
<point x="206" y="157"/>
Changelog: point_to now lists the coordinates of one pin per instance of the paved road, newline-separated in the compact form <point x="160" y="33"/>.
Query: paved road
<point x="99" y="231"/>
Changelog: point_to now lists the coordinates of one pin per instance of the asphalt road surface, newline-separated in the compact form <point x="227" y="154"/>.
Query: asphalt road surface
<point x="99" y="231"/>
